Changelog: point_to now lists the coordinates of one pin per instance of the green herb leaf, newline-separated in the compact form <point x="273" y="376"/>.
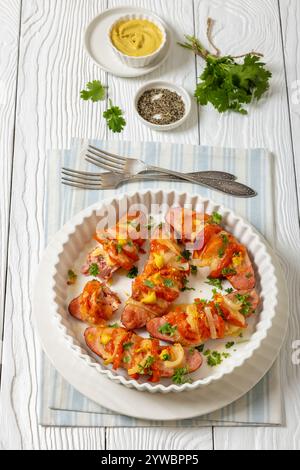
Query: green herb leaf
<point x="146" y="366"/>
<point x="114" y="325"/>
<point x="186" y="254"/>
<point x="216" y="218"/>
<point x="133" y="273"/>
<point x="200" y="348"/>
<point x="168" y="283"/>
<point x="94" y="269"/>
<point x="95" y="91"/>
<point x="214" y="359"/>
<point x="127" y="346"/>
<point x="149" y="284"/>
<point x="167" y="329"/>
<point x="194" y="270"/>
<point x="166" y="357"/>
<point x="215" y="282"/>
<point x="229" y="345"/>
<point x="228" y="85"/>
<point x="114" y="118"/>
<point x="126" y="359"/>
<point x="228" y="272"/>
<point x="229" y="290"/>
<point x="179" y="376"/>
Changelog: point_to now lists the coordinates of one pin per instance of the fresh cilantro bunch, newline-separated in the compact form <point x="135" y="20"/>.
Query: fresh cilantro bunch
<point x="95" y="91"/>
<point x="228" y="86"/>
<point x="114" y="118"/>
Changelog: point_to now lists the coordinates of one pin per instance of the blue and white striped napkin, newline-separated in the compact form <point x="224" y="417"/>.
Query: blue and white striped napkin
<point x="60" y="403"/>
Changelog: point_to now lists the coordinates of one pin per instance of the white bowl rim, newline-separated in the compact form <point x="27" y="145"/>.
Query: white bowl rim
<point x="256" y="339"/>
<point x="154" y="19"/>
<point x="170" y="85"/>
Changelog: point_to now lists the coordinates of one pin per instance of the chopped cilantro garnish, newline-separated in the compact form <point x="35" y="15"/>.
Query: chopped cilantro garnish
<point x="228" y="272"/>
<point x="179" y="376"/>
<point x="186" y="288"/>
<point x="200" y="348"/>
<point x="215" y="282"/>
<point x="167" y="329"/>
<point x="194" y="270"/>
<point x="229" y="345"/>
<point x="114" y="325"/>
<point x="186" y="254"/>
<point x="133" y="272"/>
<point x="94" y="269"/>
<point x="146" y="366"/>
<point x="166" y="357"/>
<point x="126" y="359"/>
<point x="168" y="283"/>
<point x="229" y="291"/>
<point x="127" y="346"/>
<point x="214" y="359"/>
<point x="149" y="284"/>
<point x="216" y="218"/>
<point x="119" y="247"/>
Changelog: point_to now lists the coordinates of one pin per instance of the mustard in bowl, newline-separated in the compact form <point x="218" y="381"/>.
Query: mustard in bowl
<point x="137" y="40"/>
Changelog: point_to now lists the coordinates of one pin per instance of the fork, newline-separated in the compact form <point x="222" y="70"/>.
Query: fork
<point x="101" y="181"/>
<point x="132" y="167"/>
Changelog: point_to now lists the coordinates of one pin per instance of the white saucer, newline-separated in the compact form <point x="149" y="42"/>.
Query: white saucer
<point x="98" y="48"/>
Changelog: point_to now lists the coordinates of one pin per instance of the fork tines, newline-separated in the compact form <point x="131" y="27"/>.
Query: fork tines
<point x="81" y="179"/>
<point x="106" y="160"/>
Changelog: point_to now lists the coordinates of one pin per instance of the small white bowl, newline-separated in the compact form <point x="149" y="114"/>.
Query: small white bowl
<point x="169" y="86"/>
<point x="142" y="61"/>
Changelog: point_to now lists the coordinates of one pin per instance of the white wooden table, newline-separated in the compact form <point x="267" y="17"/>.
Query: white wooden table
<point x="42" y="69"/>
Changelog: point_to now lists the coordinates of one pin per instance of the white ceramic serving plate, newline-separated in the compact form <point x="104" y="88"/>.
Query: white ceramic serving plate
<point x="76" y="242"/>
<point x="141" y="61"/>
<point x="169" y="86"/>
<point x="130" y="402"/>
<point x="98" y="46"/>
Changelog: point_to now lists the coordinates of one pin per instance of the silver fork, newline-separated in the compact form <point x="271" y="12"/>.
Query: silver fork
<point x="132" y="167"/>
<point x="101" y="181"/>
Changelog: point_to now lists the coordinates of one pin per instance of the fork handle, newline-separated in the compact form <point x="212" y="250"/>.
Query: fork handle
<point x="226" y="186"/>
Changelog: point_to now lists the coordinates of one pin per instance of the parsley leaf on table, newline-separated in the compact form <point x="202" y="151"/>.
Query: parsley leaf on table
<point x="114" y="118"/>
<point x="95" y="91"/>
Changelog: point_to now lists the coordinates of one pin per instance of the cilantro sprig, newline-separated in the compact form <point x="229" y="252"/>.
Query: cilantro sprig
<point x="114" y="118"/>
<point x="95" y="91"/>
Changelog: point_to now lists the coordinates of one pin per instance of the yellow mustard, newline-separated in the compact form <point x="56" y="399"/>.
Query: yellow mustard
<point x="137" y="37"/>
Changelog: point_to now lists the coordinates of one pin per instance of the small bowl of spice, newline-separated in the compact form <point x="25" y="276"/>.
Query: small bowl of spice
<point x="162" y="105"/>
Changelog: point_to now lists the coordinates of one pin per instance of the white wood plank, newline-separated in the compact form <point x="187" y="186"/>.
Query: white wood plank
<point x="73" y="439"/>
<point x="53" y="69"/>
<point x="290" y="17"/>
<point x="244" y="25"/>
<point x="159" y="439"/>
<point x="9" y="45"/>
<point x="179" y="69"/>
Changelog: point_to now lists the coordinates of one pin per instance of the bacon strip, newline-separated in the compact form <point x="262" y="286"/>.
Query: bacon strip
<point x="189" y="325"/>
<point x="95" y="305"/>
<point x="164" y="276"/>
<point x="140" y="356"/>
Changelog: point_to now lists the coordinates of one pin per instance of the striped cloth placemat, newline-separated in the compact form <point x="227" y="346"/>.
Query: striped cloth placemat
<point x="60" y="403"/>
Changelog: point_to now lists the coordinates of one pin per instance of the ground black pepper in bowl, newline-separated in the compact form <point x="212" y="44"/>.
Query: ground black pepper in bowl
<point x="161" y="106"/>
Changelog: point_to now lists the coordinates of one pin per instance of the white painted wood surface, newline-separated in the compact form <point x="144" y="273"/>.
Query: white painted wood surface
<point x="52" y="69"/>
<point x="9" y="47"/>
